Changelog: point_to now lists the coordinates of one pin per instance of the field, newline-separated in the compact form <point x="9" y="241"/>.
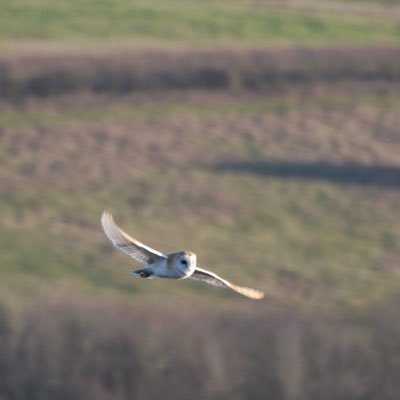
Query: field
<point x="204" y="23"/>
<point x="261" y="135"/>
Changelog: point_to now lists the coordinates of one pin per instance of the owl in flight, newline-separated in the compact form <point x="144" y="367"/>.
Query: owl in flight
<point x="180" y="265"/>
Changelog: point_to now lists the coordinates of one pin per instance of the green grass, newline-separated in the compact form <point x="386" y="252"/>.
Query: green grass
<point x="311" y="243"/>
<point x="229" y="108"/>
<point x="188" y="22"/>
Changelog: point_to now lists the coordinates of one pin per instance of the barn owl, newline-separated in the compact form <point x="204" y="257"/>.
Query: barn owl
<point x="180" y="265"/>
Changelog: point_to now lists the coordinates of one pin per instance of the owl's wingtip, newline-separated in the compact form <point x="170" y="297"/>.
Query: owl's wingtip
<point x="105" y="214"/>
<point x="256" y="294"/>
<point x="250" y="293"/>
<point x="259" y="296"/>
<point x="106" y="219"/>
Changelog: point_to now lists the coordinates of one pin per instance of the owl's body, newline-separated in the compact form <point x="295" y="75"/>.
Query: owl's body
<point x="180" y="265"/>
<point x="166" y="267"/>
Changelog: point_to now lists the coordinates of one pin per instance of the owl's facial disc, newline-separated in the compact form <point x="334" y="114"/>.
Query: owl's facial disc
<point x="186" y="263"/>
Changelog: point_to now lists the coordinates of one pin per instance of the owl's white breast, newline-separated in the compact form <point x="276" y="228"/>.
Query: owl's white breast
<point x="165" y="269"/>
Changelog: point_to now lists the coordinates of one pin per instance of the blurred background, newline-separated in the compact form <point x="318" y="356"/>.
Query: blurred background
<point x="262" y="135"/>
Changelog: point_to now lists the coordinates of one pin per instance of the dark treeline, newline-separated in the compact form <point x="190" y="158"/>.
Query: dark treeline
<point x="96" y="351"/>
<point x="122" y="72"/>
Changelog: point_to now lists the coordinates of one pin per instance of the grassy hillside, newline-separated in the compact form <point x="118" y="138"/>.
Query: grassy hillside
<point x="296" y="193"/>
<point x="201" y="23"/>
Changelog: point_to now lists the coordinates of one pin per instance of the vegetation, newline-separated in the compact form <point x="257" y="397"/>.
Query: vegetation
<point x="203" y="23"/>
<point x="214" y="69"/>
<point x="105" y="350"/>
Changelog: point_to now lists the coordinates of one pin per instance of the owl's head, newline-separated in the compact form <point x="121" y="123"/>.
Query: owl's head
<point x="185" y="263"/>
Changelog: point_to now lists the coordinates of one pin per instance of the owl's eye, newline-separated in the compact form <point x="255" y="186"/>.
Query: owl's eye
<point x="184" y="265"/>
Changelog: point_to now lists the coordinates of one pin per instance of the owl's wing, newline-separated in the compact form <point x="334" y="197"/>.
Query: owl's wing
<point x="130" y="246"/>
<point x="200" y="274"/>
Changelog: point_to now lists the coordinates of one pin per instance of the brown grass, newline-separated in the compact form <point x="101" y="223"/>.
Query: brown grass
<point x="58" y="141"/>
<point x="79" y="349"/>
